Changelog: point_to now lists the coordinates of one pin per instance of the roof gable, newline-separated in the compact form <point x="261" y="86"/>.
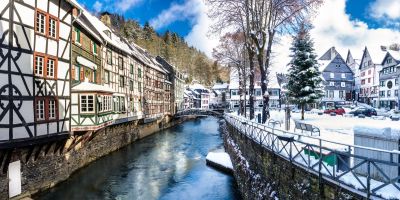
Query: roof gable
<point x="338" y="65"/>
<point x="366" y="57"/>
<point x="330" y="54"/>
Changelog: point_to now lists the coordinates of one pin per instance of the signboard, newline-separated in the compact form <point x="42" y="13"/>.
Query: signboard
<point x="14" y="177"/>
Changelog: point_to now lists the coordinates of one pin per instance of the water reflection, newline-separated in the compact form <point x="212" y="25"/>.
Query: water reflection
<point x="168" y="165"/>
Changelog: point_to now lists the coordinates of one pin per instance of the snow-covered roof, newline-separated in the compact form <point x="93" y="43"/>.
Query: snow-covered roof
<point x="220" y="86"/>
<point x="82" y="22"/>
<point x="197" y="86"/>
<point x="75" y="3"/>
<point x="115" y="40"/>
<point x="91" y="87"/>
<point x="394" y="54"/>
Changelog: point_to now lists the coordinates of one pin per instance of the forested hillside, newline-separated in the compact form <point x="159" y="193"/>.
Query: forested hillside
<point x="172" y="47"/>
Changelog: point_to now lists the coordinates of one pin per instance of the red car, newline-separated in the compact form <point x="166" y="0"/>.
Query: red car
<point x="338" y="111"/>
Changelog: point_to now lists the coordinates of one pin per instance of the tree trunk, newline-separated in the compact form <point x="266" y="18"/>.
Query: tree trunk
<point x="240" y="92"/>
<point x="264" y="89"/>
<point x="302" y="111"/>
<point x="244" y="74"/>
<point x="251" y="86"/>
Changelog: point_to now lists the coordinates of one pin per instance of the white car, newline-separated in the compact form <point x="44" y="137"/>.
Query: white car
<point x="393" y="113"/>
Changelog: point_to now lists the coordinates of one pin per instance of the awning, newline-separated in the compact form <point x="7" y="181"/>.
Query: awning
<point x="83" y="61"/>
<point x="91" y="87"/>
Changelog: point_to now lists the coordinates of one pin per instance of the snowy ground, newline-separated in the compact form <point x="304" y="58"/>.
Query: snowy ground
<point x="334" y="128"/>
<point x="338" y="129"/>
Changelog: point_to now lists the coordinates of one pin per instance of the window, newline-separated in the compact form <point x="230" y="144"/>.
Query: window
<point x="343" y="75"/>
<point x="106" y="77"/>
<point x="120" y="62"/>
<point x="40" y="109"/>
<point x="45" y="66"/>
<point x="139" y="73"/>
<point x="396" y="93"/>
<point x="119" y="104"/>
<point x="331" y="94"/>
<point x="382" y="84"/>
<point x="45" y="108"/>
<point x="131" y="85"/>
<point x="109" y="57"/>
<point x="331" y="83"/>
<point x="121" y="81"/>
<point x="87" y="103"/>
<point x="369" y="63"/>
<point x="363" y="82"/>
<point x="52" y="109"/>
<point x="52" y="27"/>
<point x="77" y="36"/>
<point x="389" y="60"/>
<point x="369" y="80"/>
<point x="332" y="75"/>
<point x="39" y="65"/>
<point x="341" y="94"/>
<point x="75" y="72"/>
<point x="132" y="68"/>
<point x="139" y="86"/>
<point x="362" y="74"/>
<point x="396" y="81"/>
<point x="343" y="84"/>
<point x="94" y="48"/>
<point x="382" y="93"/>
<point x="104" y="103"/>
<point x="369" y="71"/>
<point x="50" y="67"/>
<point x="389" y="93"/>
<point x="40" y="22"/>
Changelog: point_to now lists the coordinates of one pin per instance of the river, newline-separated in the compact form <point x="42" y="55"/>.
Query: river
<point x="169" y="165"/>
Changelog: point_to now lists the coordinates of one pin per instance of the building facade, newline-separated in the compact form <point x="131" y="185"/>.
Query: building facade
<point x="338" y="79"/>
<point x="35" y="71"/>
<point x="389" y="81"/>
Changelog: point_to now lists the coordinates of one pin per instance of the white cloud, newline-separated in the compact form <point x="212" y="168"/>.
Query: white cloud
<point x="117" y="5"/>
<point x="385" y="9"/>
<point x="97" y="6"/>
<point x="176" y="12"/>
<point x="333" y="27"/>
<point x="124" y="5"/>
<point x="196" y="12"/>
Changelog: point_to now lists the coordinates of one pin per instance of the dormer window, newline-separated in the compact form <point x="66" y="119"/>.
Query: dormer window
<point x="108" y="33"/>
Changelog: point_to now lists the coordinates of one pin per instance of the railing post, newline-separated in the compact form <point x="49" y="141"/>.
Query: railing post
<point x="321" y="189"/>
<point x="290" y="151"/>
<point x="369" y="180"/>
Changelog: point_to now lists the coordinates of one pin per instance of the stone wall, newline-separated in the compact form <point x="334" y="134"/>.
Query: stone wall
<point x="261" y="174"/>
<point x="44" y="166"/>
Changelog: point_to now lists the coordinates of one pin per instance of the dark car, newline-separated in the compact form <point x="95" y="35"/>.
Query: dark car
<point x="337" y="110"/>
<point x="365" y="111"/>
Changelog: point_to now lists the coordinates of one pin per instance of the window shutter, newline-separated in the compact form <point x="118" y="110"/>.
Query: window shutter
<point x="72" y="76"/>
<point x="82" y="75"/>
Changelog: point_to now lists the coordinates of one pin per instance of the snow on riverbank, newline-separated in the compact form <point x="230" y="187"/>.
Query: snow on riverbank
<point x="220" y="158"/>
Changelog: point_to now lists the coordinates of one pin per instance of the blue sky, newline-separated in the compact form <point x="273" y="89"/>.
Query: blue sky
<point x="345" y="24"/>
<point x="146" y="10"/>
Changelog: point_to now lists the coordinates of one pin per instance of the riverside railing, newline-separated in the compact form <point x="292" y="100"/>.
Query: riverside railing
<point x="329" y="160"/>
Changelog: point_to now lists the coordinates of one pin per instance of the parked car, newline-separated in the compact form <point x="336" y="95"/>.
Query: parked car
<point x="393" y="113"/>
<point x="365" y="111"/>
<point x="337" y="110"/>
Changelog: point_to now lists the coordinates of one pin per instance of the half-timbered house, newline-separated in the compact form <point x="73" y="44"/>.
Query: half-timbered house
<point x="35" y="68"/>
<point x="91" y="104"/>
<point x="389" y="80"/>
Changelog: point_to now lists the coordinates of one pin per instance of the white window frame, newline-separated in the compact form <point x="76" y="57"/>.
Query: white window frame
<point x="40" y="109"/>
<point x="332" y="75"/>
<point x="331" y="83"/>
<point x="87" y="105"/>
<point x="343" y="84"/>
<point x="40" y="23"/>
<point x="52" y="28"/>
<point x="50" y="67"/>
<point x="39" y="68"/>
<point x="343" y="75"/>
<point x="52" y="109"/>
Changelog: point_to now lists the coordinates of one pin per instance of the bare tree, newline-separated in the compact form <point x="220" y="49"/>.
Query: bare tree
<point x="231" y="52"/>
<point x="260" y="20"/>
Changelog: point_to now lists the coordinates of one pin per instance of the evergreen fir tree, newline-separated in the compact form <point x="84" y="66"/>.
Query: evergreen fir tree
<point x="304" y="77"/>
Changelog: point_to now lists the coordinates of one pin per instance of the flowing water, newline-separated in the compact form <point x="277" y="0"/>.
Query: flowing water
<point x="166" y="165"/>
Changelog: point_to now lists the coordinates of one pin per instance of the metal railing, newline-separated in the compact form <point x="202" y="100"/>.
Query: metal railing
<point x="336" y="162"/>
<point x="199" y="112"/>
